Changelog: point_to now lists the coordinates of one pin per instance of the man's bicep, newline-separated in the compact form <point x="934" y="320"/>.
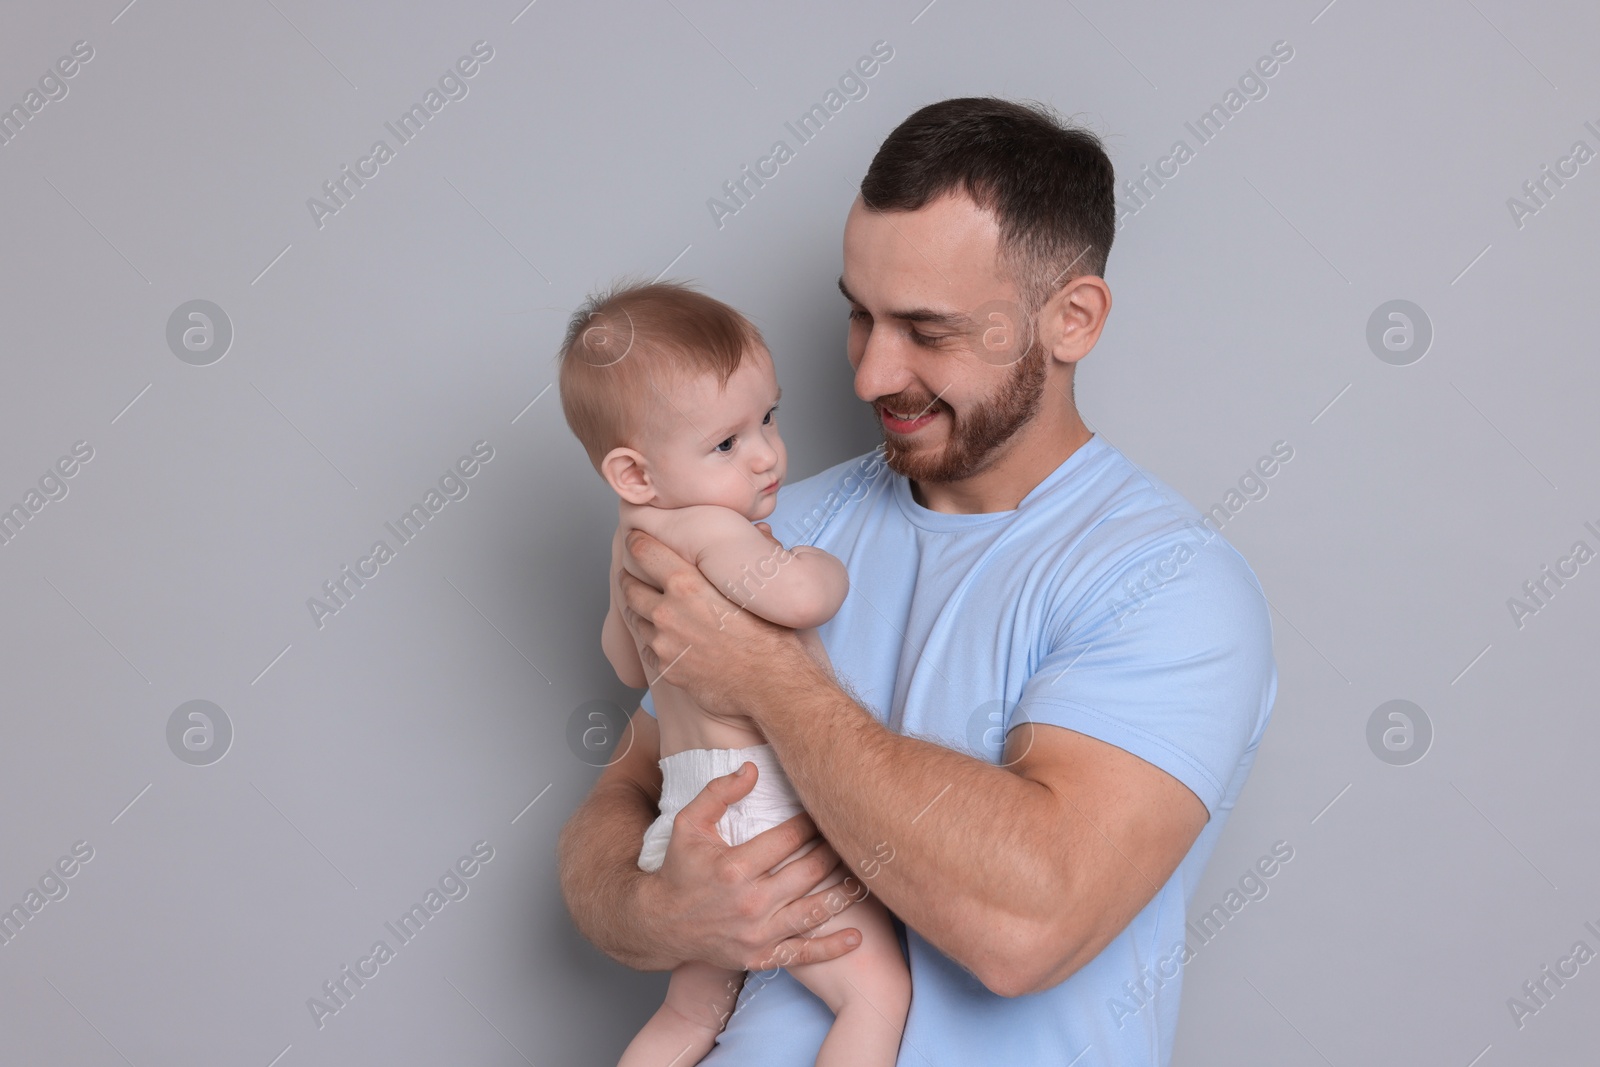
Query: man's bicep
<point x="1180" y="676"/>
<point x="1125" y="825"/>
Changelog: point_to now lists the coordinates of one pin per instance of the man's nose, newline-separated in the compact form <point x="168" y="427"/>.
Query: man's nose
<point x="880" y="371"/>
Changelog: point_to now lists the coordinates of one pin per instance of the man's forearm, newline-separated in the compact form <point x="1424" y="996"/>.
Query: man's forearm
<point x="975" y="868"/>
<point x="600" y="875"/>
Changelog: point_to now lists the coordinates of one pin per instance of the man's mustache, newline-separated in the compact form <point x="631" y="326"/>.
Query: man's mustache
<point x="898" y="403"/>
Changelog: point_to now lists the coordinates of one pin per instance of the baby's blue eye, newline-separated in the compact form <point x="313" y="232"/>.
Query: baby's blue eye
<point x="768" y="420"/>
<point x="728" y="443"/>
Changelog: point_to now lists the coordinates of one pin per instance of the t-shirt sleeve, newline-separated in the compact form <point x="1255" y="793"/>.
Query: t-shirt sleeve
<point x="1172" y="662"/>
<point x="648" y="703"/>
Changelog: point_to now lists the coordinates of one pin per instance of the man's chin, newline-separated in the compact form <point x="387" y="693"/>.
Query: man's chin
<point x="925" y="463"/>
<point x="934" y="464"/>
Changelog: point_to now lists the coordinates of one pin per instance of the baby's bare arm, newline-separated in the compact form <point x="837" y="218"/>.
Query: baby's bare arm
<point x="797" y="588"/>
<point x="621" y="651"/>
<point x="615" y="637"/>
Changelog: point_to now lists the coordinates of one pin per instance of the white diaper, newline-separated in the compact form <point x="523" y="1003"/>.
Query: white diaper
<point x="685" y="773"/>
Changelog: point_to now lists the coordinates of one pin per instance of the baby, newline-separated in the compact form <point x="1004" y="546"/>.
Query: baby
<point x="674" y="396"/>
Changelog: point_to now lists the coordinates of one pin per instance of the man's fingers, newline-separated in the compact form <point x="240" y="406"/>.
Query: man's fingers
<point x="808" y="914"/>
<point x="777" y="843"/>
<point x="709" y="805"/>
<point x="800" y="950"/>
<point x="638" y="599"/>
<point x="658" y="561"/>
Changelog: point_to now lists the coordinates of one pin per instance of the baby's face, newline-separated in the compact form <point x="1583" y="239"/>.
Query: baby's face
<point x="711" y="446"/>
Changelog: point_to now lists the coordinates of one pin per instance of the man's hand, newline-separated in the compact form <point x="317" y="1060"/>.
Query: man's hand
<point x="695" y="637"/>
<point x="725" y="904"/>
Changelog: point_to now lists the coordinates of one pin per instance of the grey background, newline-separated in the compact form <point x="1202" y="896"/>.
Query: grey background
<point x="433" y="710"/>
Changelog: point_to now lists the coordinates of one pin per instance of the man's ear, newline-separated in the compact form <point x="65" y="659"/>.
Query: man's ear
<point x="1070" y="321"/>
<point x="624" y="469"/>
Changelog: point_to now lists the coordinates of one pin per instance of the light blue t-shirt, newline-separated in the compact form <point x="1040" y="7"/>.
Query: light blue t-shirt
<point x="1100" y="604"/>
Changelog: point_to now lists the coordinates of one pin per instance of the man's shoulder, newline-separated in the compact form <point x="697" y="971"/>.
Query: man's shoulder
<point x="1124" y="499"/>
<point x="806" y="507"/>
<point x="1097" y="504"/>
<point x="1129" y="521"/>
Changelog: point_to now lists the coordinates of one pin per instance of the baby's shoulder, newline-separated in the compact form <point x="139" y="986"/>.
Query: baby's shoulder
<point x="684" y="530"/>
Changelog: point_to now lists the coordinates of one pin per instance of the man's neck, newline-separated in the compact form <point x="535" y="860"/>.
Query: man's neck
<point x="1027" y="459"/>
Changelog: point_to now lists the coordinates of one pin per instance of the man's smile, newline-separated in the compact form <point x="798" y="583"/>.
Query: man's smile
<point x="905" y="422"/>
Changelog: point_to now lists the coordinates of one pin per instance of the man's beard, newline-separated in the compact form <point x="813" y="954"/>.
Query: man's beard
<point x="975" y="437"/>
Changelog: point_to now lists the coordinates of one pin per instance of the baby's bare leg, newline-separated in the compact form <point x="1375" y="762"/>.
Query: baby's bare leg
<point x="868" y="990"/>
<point x="700" y="998"/>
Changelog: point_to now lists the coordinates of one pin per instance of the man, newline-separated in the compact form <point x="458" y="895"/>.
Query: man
<point x="1051" y="678"/>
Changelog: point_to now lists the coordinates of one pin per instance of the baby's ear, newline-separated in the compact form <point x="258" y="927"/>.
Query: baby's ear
<point x="623" y="468"/>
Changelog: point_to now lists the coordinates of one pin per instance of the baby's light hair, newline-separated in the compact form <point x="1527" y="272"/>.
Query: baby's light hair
<point x="629" y="343"/>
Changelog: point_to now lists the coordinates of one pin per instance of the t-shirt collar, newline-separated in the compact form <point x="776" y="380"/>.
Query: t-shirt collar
<point x="928" y="519"/>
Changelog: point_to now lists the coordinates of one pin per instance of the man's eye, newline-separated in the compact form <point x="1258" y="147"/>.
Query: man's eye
<point x="725" y="446"/>
<point x="857" y="315"/>
<point x="926" y="340"/>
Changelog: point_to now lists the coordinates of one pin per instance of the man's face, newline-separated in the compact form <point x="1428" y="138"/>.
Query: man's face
<point x="706" y="445"/>
<point x="936" y="334"/>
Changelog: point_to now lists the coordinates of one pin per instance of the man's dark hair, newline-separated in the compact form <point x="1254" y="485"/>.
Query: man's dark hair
<point x="1048" y="183"/>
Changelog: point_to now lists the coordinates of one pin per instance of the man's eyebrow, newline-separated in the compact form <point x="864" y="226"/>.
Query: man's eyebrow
<point x="928" y="315"/>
